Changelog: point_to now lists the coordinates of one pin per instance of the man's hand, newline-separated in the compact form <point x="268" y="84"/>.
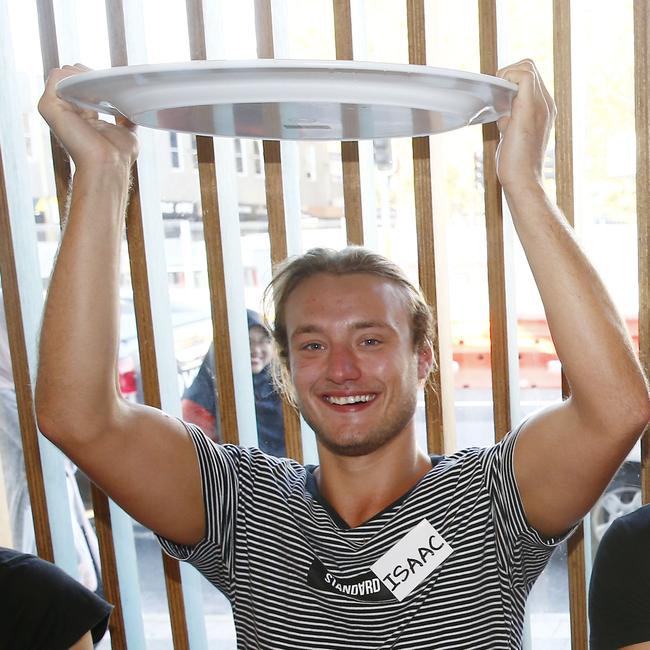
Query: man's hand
<point x="525" y="133"/>
<point x="87" y="139"/>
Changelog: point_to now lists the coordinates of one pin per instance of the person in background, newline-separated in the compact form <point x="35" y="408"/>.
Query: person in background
<point x="43" y="608"/>
<point x="200" y="402"/>
<point x="619" y="591"/>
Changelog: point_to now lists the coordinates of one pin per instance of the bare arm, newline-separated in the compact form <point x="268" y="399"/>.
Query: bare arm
<point x="566" y="454"/>
<point x="142" y="458"/>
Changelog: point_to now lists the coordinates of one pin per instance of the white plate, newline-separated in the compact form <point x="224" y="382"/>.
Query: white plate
<point x="293" y="100"/>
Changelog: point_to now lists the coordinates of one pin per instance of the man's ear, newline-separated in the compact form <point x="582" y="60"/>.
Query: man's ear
<point x="425" y="361"/>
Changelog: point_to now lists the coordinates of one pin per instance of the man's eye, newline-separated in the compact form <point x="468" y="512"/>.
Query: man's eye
<point x="312" y="347"/>
<point x="371" y="342"/>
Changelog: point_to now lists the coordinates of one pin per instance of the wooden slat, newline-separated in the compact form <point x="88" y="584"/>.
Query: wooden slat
<point x="22" y="380"/>
<point x="110" y="580"/>
<point x="565" y="201"/>
<point x="224" y="380"/>
<point x="563" y="122"/>
<point x="196" y="30"/>
<point x="642" y="119"/>
<point x="275" y="210"/>
<point x="577" y="596"/>
<point x="494" y="230"/>
<point x="349" y="150"/>
<point x="264" y="29"/>
<point x="50" y="58"/>
<point x="564" y="119"/>
<point x="275" y="200"/>
<point x="144" y="320"/>
<point x="424" y="228"/>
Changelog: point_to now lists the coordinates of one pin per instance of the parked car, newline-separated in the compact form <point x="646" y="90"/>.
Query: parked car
<point x="192" y="333"/>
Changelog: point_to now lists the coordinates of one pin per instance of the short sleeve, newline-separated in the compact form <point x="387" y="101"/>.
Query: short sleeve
<point x="219" y="468"/>
<point x="521" y="547"/>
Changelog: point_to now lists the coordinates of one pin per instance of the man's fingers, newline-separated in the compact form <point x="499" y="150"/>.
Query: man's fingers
<point x="526" y="75"/>
<point x="51" y="98"/>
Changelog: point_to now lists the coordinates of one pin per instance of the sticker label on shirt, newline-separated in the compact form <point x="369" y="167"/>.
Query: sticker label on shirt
<point x="365" y="586"/>
<point x="412" y="559"/>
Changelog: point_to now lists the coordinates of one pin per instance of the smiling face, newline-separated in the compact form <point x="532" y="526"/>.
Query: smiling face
<point x="261" y="348"/>
<point x="352" y="361"/>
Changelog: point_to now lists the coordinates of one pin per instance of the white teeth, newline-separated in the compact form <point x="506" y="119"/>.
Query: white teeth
<point x="349" y="399"/>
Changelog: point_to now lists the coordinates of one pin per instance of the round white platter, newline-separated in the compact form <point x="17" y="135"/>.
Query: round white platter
<point x="292" y="99"/>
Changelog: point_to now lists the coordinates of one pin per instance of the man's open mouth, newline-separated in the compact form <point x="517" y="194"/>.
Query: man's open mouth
<point x="349" y="399"/>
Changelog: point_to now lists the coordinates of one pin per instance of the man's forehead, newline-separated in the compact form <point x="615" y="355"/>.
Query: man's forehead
<point x="366" y="297"/>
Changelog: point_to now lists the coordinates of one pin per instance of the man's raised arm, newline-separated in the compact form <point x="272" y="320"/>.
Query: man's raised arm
<point x="568" y="453"/>
<point x="143" y="459"/>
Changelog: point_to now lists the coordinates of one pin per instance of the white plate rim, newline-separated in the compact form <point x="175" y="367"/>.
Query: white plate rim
<point x="287" y="64"/>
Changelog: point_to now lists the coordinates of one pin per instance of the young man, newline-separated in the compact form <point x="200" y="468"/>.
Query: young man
<point x="376" y="547"/>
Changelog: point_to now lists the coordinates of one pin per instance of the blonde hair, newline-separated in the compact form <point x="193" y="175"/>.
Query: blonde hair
<point x="353" y="259"/>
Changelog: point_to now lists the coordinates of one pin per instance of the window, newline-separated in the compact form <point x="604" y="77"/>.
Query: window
<point x="27" y="130"/>
<point x="174" y="151"/>
<point x="195" y="158"/>
<point x="240" y="158"/>
<point x="258" y="161"/>
<point x="310" y="163"/>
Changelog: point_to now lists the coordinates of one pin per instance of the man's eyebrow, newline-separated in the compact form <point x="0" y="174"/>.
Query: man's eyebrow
<point x="306" y="329"/>
<point x="310" y="328"/>
<point x="371" y="324"/>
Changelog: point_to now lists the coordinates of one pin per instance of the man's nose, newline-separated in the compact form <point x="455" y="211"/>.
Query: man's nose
<point x="342" y="364"/>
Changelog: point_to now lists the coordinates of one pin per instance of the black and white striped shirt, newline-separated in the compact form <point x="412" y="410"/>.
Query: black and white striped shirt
<point x="299" y="578"/>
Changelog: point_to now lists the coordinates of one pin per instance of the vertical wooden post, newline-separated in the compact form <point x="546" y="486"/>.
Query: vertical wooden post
<point x="565" y="201"/>
<point x="350" y="149"/>
<point x="424" y="228"/>
<point x="224" y="381"/>
<point x="642" y="119"/>
<point x="494" y="229"/>
<point x="275" y="210"/>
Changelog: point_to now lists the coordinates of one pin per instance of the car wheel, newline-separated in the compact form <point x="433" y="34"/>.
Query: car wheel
<point x="613" y="504"/>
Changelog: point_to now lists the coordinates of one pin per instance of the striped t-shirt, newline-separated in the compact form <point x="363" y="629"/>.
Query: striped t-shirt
<point x="299" y="578"/>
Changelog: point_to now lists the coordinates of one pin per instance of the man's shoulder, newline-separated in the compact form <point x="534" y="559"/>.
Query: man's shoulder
<point x="466" y="456"/>
<point x="245" y="461"/>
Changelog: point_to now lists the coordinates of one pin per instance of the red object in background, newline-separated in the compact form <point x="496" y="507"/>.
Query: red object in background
<point x="127" y="377"/>
<point x="539" y="366"/>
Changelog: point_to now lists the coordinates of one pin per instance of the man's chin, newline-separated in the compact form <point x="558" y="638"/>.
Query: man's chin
<point x="351" y="450"/>
<point x="351" y="444"/>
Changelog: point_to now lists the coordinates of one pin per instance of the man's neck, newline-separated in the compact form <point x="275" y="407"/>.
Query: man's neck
<point x="359" y="487"/>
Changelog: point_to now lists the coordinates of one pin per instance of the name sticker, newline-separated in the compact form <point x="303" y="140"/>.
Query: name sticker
<point x="412" y="559"/>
